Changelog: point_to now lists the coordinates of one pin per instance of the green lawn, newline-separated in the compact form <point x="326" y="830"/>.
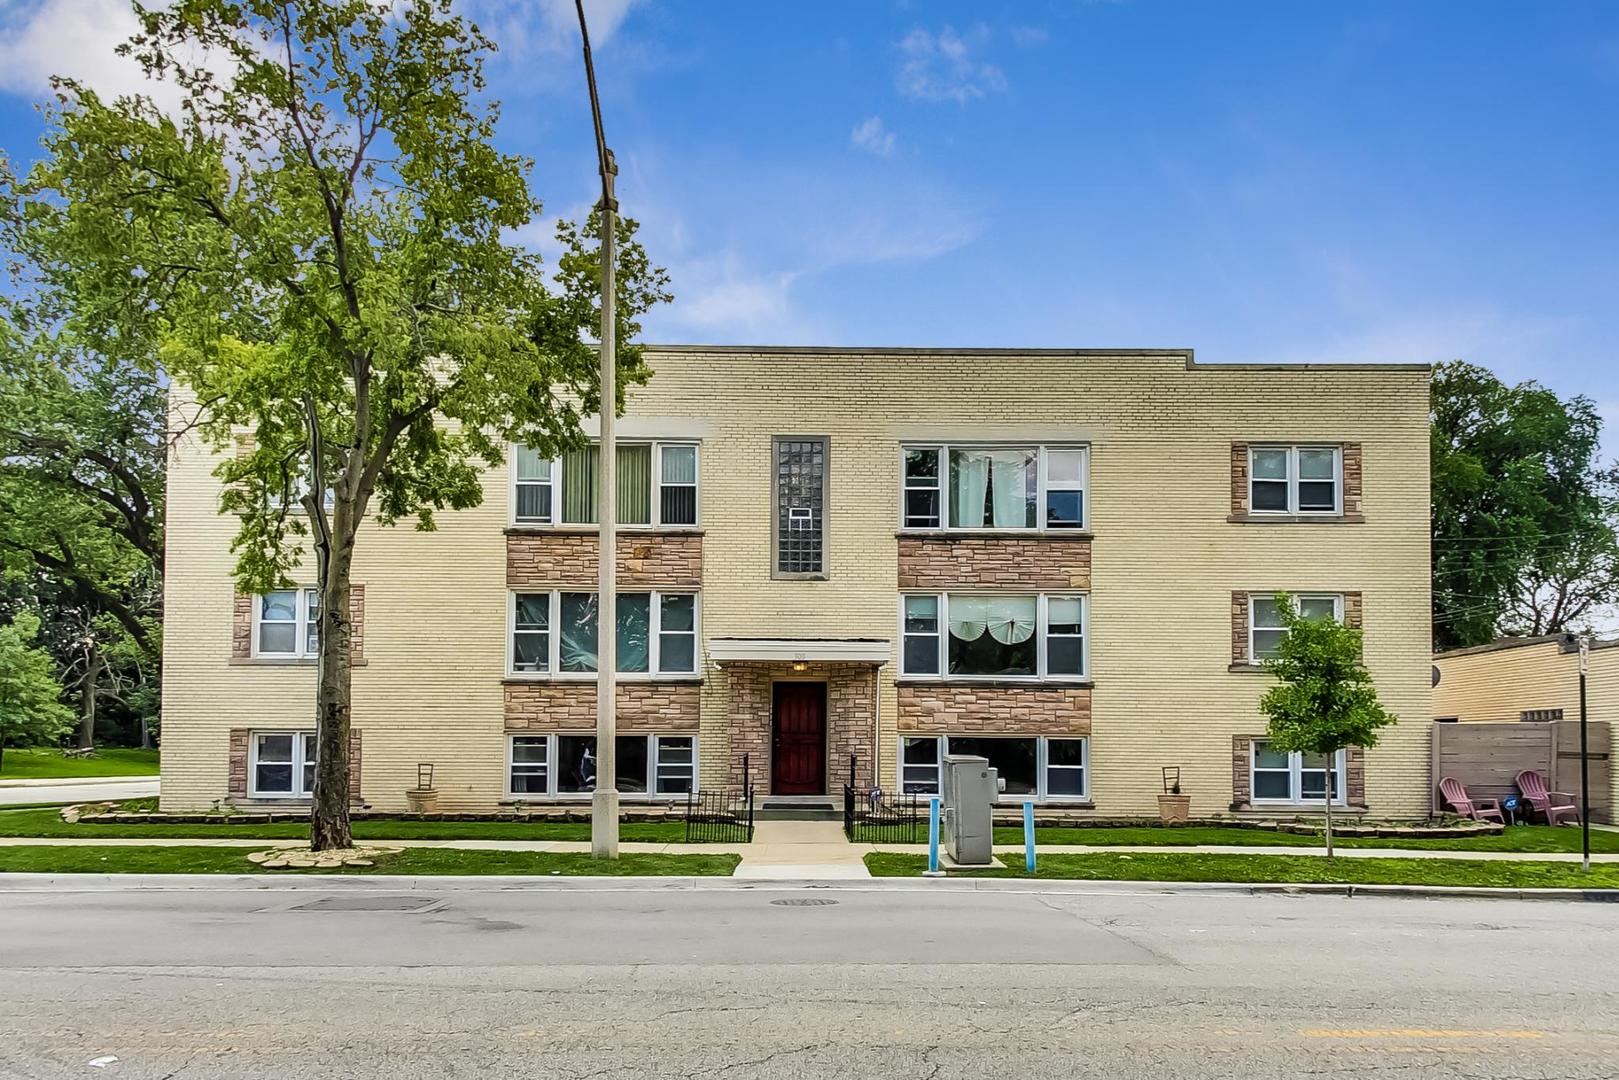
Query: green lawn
<point x="40" y="763"/>
<point x="1542" y="838"/>
<point x="1288" y="869"/>
<point x="45" y="859"/>
<point x="47" y="823"/>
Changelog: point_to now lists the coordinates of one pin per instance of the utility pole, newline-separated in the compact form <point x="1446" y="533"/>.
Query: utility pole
<point x="1585" y="761"/>
<point x="604" y="800"/>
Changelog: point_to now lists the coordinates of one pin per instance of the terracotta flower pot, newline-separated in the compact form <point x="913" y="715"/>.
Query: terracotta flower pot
<point x="422" y="800"/>
<point x="1174" y="809"/>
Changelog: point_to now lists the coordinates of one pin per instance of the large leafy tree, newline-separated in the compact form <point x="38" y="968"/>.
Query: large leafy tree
<point x="322" y="233"/>
<point x="31" y="710"/>
<point x="1324" y="700"/>
<point x="1523" y="517"/>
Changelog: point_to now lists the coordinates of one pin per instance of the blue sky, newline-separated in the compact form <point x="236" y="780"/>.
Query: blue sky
<point x="1260" y="181"/>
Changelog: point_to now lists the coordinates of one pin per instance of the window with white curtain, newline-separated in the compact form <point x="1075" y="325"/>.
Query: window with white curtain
<point x="286" y="623"/>
<point x="978" y="635"/>
<point x="1281" y="777"/>
<point x="556" y="633"/>
<point x="657" y="485"/>
<point x="994" y="487"/>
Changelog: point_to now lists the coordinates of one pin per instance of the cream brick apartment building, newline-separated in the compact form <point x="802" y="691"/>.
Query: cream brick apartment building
<point x="1062" y="559"/>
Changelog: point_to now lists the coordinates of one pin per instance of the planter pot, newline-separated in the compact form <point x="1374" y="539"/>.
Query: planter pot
<point x="1174" y="809"/>
<point x="422" y="800"/>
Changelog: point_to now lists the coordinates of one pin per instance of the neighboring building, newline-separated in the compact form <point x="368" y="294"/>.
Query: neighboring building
<point x="1533" y="682"/>
<point x="1063" y="560"/>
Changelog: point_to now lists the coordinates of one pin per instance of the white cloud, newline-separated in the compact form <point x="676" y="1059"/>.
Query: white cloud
<point x="942" y="66"/>
<point x="524" y="26"/>
<point x="871" y="136"/>
<point x="74" y="38"/>
<point x="1029" y="36"/>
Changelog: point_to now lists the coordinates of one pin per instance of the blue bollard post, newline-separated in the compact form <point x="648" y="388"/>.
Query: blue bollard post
<point x="1028" y="836"/>
<point x="933" y="839"/>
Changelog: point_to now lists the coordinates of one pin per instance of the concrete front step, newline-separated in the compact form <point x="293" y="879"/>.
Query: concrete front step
<point x="798" y="808"/>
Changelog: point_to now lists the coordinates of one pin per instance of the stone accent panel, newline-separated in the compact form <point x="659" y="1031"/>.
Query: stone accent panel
<point x="945" y="709"/>
<point x="1242" y="794"/>
<point x="571" y="706"/>
<point x="851" y="718"/>
<point x="1239" y="627"/>
<point x="241" y="634"/>
<point x="1354" y="610"/>
<point x="654" y="560"/>
<point x="1353" y="479"/>
<point x="1046" y="562"/>
<point x="236" y="785"/>
<point x="1239" y="479"/>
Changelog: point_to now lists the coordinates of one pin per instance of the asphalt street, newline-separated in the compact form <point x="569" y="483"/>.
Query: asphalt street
<point x="377" y="979"/>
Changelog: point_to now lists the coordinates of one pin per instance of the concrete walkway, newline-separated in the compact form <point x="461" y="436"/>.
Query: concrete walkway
<point x="800" y="849"/>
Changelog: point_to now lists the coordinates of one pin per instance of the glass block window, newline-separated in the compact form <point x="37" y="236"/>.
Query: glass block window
<point x="801" y="506"/>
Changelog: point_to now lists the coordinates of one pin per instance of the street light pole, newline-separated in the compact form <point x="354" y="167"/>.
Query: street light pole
<point x="1585" y="761"/>
<point x="604" y="799"/>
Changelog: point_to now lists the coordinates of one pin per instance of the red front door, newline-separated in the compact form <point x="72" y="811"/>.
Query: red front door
<point x="798" y="739"/>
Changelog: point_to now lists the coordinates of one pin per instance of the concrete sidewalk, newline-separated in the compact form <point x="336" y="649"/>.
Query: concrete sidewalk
<point x="76" y="789"/>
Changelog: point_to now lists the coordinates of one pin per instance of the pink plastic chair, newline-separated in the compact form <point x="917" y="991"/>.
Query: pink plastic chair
<point x="1554" y="806"/>
<point x="1477" y="809"/>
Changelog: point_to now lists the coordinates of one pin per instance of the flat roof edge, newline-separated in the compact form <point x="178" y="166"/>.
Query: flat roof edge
<point x="1186" y="355"/>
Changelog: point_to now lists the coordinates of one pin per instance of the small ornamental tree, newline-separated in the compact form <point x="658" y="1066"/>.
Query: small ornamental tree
<point x="321" y="240"/>
<point x="31" y="709"/>
<point x="1324" y="701"/>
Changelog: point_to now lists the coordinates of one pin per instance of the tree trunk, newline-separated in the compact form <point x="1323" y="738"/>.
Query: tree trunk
<point x="329" y="810"/>
<point x="146" y="734"/>
<point x="87" y="696"/>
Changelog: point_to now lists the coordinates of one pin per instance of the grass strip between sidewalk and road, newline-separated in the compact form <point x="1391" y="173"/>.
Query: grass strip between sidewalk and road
<point x="43" y="764"/>
<point x="48" y="824"/>
<point x="1527" y="838"/>
<point x="47" y="859"/>
<point x="1278" y="869"/>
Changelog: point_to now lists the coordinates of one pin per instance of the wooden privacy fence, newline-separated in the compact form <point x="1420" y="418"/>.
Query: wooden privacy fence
<point x="1487" y="758"/>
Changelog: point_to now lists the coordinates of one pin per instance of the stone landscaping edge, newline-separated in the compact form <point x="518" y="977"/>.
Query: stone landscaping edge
<point x="48" y="882"/>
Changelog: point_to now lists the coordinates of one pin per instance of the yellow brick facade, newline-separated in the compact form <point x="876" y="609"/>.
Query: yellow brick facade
<point x="1164" y="561"/>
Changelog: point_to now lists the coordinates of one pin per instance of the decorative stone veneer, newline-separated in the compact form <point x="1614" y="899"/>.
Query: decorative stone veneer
<point x="850" y="719"/>
<point x="945" y="709"/>
<point x="236" y="784"/>
<point x="661" y="559"/>
<point x="1011" y="562"/>
<point x="1242" y="792"/>
<point x="571" y="706"/>
<point x="1354" y="612"/>
<point x="241" y="636"/>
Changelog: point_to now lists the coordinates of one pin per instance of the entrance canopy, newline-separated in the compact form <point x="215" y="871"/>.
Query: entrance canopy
<point x="723" y="650"/>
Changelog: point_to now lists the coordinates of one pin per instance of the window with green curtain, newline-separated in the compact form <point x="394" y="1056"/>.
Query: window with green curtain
<point x="579" y="486"/>
<point x="635" y="485"/>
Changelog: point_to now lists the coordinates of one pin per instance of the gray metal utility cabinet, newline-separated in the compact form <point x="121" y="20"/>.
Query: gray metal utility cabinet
<point x="968" y="804"/>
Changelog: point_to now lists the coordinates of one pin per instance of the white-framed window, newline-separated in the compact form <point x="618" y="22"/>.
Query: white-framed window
<point x="1044" y="768"/>
<point x="1265" y="627"/>
<point x="1279" y="777"/>
<point x="565" y="765"/>
<point x="963" y="635"/>
<point x="281" y="764"/>
<point x="286" y="623"/>
<point x="1027" y="487"/>
<point x="554" y="634"/>
<point x="1295" y="479"/>
<point x="657" y="485"/>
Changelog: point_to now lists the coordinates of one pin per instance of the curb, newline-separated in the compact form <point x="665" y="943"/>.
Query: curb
<point x="76" y="781"/>
<point x="47" y="882"/>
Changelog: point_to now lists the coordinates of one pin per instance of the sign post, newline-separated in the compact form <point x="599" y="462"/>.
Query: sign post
<point x="1585" y="761"/>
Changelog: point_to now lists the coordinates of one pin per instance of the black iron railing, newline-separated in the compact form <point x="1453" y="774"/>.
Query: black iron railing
<point x="723" y="816"/>
<point x="882" y="818"/>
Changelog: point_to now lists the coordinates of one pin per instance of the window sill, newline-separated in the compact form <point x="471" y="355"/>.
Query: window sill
<point x="286" y="661"/>
<point x="999" y="684"/>
<point x="583" y="798"/>
<point x="1269" y="810"/>
<point x="593" y="530"/>
<point x="1297" y="519"/>
<point x="1242" y="667"/>
<point x="589" y="679"/>
<point x="994" y="534"/>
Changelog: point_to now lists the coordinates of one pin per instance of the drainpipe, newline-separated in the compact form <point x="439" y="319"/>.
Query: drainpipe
<point x="877" y="726"/>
